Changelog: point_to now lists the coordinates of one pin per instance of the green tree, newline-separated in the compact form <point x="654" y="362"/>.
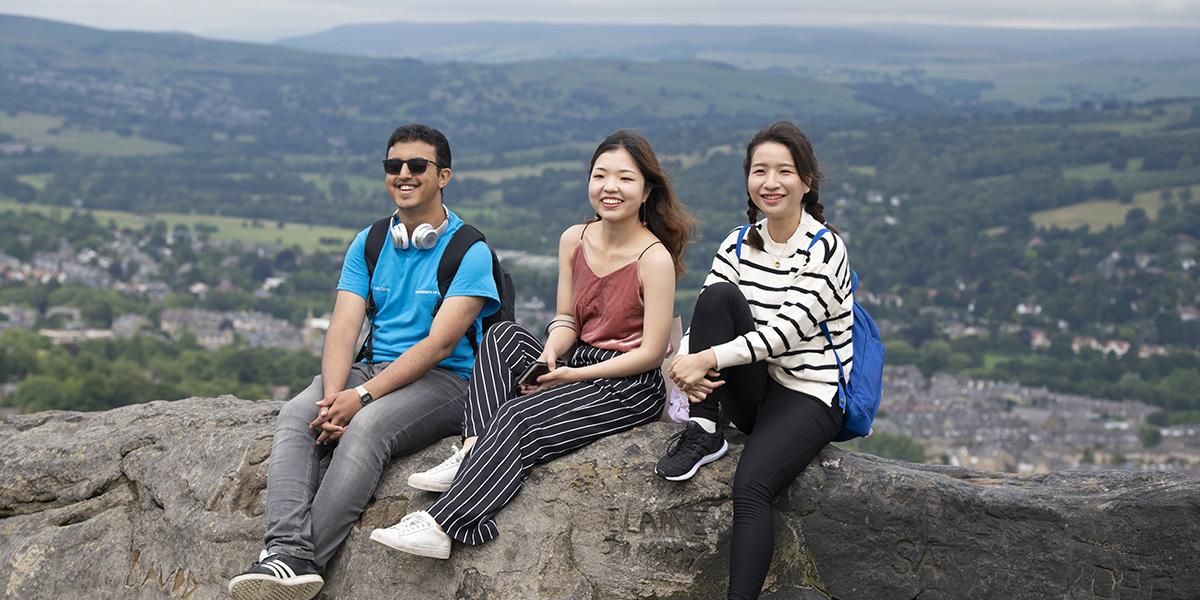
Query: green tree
<point x="890" y="445"/>
<point x="935" y="356"/>
<point x="900" y="352"/>
<point x="1151" y="436"/>
<point x="43" y="392"/>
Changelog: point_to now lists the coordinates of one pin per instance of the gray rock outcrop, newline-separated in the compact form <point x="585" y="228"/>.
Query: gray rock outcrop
<point x="165" y="500"/>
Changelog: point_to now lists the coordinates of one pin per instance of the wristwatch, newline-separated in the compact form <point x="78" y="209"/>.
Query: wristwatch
<point x="363" y="395"/>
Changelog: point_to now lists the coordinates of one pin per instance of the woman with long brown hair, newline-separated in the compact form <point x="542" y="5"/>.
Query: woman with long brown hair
<point x="758" y="351"/>
<point x="601" y="360"/>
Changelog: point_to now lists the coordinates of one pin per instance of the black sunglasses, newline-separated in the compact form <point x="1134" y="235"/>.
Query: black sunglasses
<point x="416" y="166"/>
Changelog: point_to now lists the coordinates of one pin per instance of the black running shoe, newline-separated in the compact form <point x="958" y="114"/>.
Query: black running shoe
<point x="277" y="577"/>
<point x="689" y="450"/>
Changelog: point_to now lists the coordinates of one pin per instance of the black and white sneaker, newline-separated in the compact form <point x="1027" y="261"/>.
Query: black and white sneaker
<point x="689" y="450"/>
<point x="277" y="577"/>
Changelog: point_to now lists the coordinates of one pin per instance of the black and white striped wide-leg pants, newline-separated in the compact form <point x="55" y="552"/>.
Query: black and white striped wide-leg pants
<point x="517" y="432"/>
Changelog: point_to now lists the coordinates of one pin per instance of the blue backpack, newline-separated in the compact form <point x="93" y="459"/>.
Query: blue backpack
<point x="859" y="397"/>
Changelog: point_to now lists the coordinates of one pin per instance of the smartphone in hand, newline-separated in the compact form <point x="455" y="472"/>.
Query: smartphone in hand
<point x="529" y="377"/>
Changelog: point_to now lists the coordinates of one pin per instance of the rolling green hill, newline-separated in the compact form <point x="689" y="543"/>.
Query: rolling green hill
<point x="981" y="66"/>
<point x="955" y="213"/>
<point x="169" y="87"/>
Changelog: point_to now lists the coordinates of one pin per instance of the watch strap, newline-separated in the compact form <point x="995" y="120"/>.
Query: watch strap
<point x="363" y="395"/>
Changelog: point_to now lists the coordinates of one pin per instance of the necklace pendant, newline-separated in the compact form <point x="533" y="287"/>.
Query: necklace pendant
<point x="776" y="263"/>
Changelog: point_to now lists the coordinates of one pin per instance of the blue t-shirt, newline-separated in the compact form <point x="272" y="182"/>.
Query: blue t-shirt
<point x="406" y="291"/>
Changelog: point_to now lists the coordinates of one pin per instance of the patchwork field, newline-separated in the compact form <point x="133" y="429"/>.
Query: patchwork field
<point x="309" y="237"/>
<point x="43" y="130"/>
<point x="1098" y="214"/>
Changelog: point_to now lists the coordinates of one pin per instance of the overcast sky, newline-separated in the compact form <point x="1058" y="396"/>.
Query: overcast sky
<point x="268" y="20"/>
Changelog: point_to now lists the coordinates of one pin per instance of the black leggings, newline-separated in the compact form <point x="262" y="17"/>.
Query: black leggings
<point x="787" y="429"/>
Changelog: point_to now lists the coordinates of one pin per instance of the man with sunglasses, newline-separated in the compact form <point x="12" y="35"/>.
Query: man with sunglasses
<point x="404" y="394"/>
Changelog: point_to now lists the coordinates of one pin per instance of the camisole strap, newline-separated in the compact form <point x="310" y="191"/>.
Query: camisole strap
<point x="648" y="248"/>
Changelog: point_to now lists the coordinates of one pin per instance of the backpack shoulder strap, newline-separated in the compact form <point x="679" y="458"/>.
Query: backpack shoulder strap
<point x="853" y="275"/>
<point x="452" y="257"/>
<point x="460" y="242"/>
<point x="375" y="239"/>
<point x="825" y="330"/>
<point x="817" y="237"/>
<point x="841" y="371"/>
<point x="737" y="250"/>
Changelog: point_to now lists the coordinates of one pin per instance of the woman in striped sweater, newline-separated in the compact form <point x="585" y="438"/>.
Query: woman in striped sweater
<point x="757" y="352"/>
<point x="616" y="289"/>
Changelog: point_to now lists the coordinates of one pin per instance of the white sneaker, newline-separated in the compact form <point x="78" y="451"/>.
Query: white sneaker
<point x="439" y="478"/>
<point x="417" y="533"/>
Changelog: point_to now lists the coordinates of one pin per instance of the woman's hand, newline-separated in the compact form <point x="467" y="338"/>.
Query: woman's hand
<point x="549" y="358"/>
<point x="689" y="369"/>
<point x="696" y="374"/>
<point x="558" y="376"/>
<point x="702" y="388"/>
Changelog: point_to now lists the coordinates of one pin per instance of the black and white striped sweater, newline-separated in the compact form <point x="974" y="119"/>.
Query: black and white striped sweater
<point x="788" y="303"/>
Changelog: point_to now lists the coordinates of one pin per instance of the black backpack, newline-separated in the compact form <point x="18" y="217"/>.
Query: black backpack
<point x="460" y="242"/>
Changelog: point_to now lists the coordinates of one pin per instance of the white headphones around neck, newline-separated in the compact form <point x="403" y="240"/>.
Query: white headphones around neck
<point x="425" y="236"/>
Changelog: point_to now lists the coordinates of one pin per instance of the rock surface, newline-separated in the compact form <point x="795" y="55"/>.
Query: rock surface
<point x="165" y="500"/>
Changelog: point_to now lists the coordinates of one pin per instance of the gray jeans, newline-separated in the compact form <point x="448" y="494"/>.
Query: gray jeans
<point x="310" y="513"/>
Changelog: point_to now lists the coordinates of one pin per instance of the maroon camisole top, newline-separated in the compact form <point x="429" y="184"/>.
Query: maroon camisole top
<point x="608" y="310"/>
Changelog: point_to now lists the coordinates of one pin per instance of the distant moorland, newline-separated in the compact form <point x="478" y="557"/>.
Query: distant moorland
<point x="1051" y="242"/>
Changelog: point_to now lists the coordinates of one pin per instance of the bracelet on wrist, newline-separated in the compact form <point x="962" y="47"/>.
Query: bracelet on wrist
<point x="554" y="326"/>
<point x="559" y="322"/>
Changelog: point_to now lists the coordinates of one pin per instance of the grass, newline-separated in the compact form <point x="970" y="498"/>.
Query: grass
<point x="687" y="161"/>
<point x="221" y="136"/>
<point x="528" y="155"/>
<point x="671" y="89"/>
<point x="1125" y="128"/>
<point x="36" y="181"/>
<point x="1099" y="171"/>
<point x="44" y="130"/>
<point x="500" y="174"/>
<point x="1050" y="84"/>
<point x="991" y="359"/>
<point x="307" y="237"/>
<point x="1099" y="214"/>
<point x="357" y="183"/>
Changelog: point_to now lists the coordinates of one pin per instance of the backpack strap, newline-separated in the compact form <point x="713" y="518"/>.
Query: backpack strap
<point x="737" y="250"/>
<point x="376" y="237"/>
<point x="841" y="371"/>
<point x="853" y="275"/>
<point x="817" y="237"/>
<point x="461" y="241"/>
<point x="829" y="338"/>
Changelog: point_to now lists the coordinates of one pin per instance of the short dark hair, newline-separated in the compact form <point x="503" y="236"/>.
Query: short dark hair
<point x="416" y="132"/>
